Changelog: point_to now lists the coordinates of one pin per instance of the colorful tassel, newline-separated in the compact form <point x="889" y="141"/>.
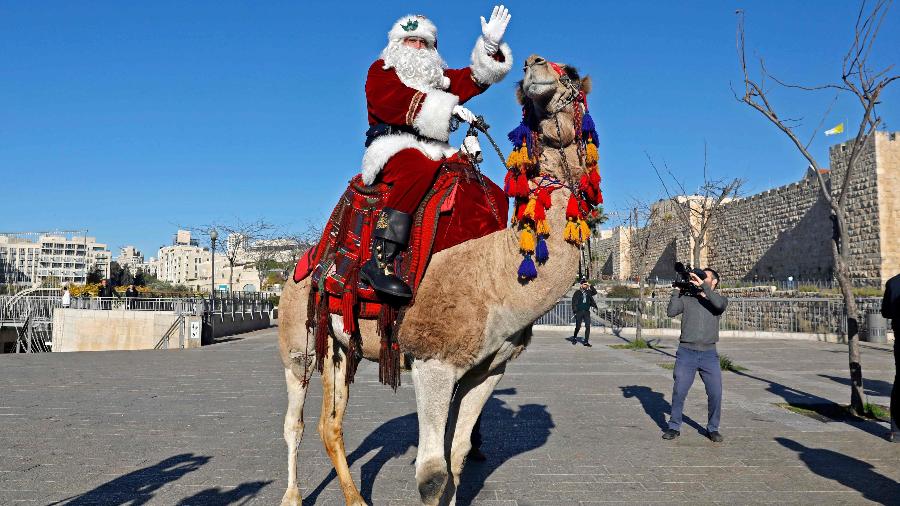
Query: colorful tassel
<point x="522" y="188"/>
<point x="520" y="135"/>
<point x="527" y="269"/>
<point x="591" y="155"/>
<point x="543" y="197"/>
<point x="587" y="123"/>
<point x="539" y="214"/>
<point x="526" y="240"/>
<point x="508" y="181"/>
<point x="530" y="208"/>
<point x="572" y="211"/>
<point x="570" y="234"/>
<point x="541" y="253"/>
<point x="584" y="229"/>
<point x="542" y="228"/>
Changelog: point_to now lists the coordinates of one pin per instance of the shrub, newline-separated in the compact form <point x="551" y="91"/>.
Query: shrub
<point x="726" y="364"/>
<point x="622" y="292"/>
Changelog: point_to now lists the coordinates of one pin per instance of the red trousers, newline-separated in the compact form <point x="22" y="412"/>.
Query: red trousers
<point x="410" y="174"/>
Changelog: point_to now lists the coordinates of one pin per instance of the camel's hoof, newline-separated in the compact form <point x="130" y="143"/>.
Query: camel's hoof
<point x="292" y="497"/>
<point x="432" y="478"/>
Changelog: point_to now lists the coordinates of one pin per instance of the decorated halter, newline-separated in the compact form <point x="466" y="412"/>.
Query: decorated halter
<point x="532" y="188"/>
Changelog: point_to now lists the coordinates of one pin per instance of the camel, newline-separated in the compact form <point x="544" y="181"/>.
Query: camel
<point x="471" y="316"/>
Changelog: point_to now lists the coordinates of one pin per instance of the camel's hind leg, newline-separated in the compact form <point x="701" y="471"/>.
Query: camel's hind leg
<point x="473" y="391"/>
<point x="335" y="393"/>
<point x="293" y="433"/>
<point x="434" y="381"/>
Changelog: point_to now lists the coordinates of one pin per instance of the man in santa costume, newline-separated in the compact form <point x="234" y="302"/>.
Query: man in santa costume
<point x="411" y="98"/>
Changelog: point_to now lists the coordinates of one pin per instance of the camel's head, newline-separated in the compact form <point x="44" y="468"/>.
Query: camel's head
<point x="546" y="83"/>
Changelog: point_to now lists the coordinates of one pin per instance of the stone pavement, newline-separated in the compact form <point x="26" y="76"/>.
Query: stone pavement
<point x="568" y="425"/>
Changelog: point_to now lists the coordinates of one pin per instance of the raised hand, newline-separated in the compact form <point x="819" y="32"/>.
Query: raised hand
<point x="493" y="30"/>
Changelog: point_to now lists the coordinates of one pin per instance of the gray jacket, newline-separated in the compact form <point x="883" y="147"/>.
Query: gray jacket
<point x="700" y="323"/>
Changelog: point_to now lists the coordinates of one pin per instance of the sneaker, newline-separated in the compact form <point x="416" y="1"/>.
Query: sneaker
<point x="589" y="345"/>
<point x="715" y="437"/>
<point x="476" y="455"/>
<point x="670" y="434"/>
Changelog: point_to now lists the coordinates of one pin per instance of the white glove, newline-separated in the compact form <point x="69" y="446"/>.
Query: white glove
<point x="463" y="114"/>
<point x="493" y="30"/>
<point x="472" y="149"/>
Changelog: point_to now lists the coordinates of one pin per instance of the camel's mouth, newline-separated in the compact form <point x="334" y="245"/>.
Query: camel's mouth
<point x="538" y="88"/>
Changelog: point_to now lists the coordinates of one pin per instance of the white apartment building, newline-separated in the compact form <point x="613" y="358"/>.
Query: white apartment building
<point x="130" y="257"/>
<point x="31" y="258"/>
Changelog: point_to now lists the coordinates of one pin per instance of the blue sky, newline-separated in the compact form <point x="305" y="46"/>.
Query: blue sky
<point x="130" y="119"/>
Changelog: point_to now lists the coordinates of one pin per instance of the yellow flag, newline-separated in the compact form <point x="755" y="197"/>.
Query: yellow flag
<point x="836" y="130"/>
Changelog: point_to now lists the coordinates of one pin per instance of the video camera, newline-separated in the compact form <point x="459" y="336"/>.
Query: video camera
<point x="684" y="284"/>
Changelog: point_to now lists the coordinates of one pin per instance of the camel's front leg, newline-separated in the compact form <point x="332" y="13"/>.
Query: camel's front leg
<point x="433" y="381"/>
<point x="474" y="390"/>
<point x="293" y="433"/>
<point x="334" y="402"/>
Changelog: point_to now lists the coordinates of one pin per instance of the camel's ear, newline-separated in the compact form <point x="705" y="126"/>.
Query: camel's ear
<point x="571" y="72"/>
<point x="586" y="84"/>
<point x="520" y="93"/>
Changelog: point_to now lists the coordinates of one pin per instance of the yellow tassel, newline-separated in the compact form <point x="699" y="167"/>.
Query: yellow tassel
<point x="518" y="158"/>
<point x="584" y="229"/>
<point x="529" y="208"/>
<point x="526" y="240"/>
<point x="543" y="228"/>
<point x="570" y="234"/>
<point x="591" y="156"/>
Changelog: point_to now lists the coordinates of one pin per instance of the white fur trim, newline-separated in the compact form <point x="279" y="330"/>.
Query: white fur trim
<point x="433" y="119"/>
<point x="425" y="29"/>
<point x="383" y="148"/>
<point x="485" y="69"/>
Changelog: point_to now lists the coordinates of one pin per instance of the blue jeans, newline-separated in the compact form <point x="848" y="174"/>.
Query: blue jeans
<point x="687" y="363"/>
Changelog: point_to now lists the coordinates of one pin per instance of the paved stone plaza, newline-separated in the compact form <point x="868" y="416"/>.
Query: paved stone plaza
<point x="567" y="425"/>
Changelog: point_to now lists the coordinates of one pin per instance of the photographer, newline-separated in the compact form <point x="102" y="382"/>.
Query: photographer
<point x="582" y="302"/>
<point x="701" y="308"/>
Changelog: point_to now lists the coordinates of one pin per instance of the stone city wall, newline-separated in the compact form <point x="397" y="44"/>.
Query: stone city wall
<point x="786" y="231"/>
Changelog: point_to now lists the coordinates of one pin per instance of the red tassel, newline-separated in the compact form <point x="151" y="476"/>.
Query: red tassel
<point x="600" y="197"/>
<point x="543" y="198"/>
<point x="572" y="208"/>
<point x="522" y="189"/>
<point x="539" y="212"/>
<point x="347" y="304"/>
<point x="520" y="211"/>
<point x="508" y="181"/>
<point x="595" y="178"/>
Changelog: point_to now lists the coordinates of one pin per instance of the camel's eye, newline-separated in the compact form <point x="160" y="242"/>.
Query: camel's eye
<point x="539" y="61"/>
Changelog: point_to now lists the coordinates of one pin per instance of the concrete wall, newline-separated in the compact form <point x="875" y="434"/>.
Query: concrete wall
<point x="94" y="330"/>
<point x="225" y="326"/>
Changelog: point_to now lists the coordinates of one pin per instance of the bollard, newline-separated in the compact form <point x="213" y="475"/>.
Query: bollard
<point x="876" y="328"/>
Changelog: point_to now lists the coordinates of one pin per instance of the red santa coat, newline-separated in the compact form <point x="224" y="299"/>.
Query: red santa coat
<point x="407" y="162"/>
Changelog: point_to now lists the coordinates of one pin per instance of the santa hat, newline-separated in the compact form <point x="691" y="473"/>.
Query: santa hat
<point x="414" y="26"/>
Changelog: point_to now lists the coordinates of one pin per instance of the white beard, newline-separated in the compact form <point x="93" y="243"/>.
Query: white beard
<point x="419" y="69"/>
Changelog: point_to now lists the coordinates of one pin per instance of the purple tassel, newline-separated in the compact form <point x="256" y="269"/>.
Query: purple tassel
<point x="527" y="270"/>
<point x="516" y="136"/>
<point x="587" y="123"/>
<point x="541" y="253"/>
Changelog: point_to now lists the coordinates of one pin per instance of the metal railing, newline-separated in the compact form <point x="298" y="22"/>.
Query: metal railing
<point x="808" y="315"/>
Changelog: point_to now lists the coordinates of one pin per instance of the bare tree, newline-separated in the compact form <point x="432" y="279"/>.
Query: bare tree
<point x="644" y="235"/>
<point x="865" y="84"/>
<point x="698" y="212"/>
<point x="235" y="238"/>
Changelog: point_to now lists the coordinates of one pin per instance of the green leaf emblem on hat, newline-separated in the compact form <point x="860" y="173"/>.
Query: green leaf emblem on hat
<point x="410" y="25"/>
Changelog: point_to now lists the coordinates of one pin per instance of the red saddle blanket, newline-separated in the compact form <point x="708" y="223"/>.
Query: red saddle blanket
<point x="463" y="204"/>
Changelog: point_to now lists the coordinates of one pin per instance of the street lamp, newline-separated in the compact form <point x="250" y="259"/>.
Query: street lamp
<point x="213" y="236"/>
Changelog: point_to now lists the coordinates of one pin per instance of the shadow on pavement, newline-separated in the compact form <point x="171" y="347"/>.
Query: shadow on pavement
<point x="506" y="433"/>
<point x="872" y="387"/>
<point x="656" y="406"/>
<point x="800" y="398"/>
<point x="848" y="471"/>
<point x="215" y="496"/>
<point x="138" y="487"/>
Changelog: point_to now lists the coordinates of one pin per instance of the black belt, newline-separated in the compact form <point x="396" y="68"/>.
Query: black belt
<point x="378" y="129"/>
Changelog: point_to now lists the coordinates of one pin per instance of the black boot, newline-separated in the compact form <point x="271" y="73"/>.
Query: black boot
<point x="390" y="237"/>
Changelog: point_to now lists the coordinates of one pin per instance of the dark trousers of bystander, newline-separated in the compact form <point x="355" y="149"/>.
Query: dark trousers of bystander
<point x="688" y="363"/>
<point x="895" y="391"/>
<point x="583" y="316"/>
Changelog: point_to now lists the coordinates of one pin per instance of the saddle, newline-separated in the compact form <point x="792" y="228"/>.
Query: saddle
<point x="462" y="204"/>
